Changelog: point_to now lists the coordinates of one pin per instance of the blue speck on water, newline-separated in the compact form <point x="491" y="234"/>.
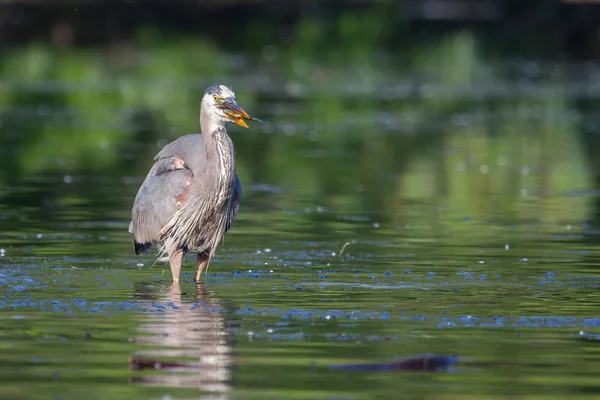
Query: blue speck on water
<point x="387" y="274"/>
<point x="467" y="318"/>
<point x="591" y="322"/>
<point x="407" y="272"/>
<point x="28" y="281"/>
<point x="81" y="303"/>
<point x="549" y="275"/>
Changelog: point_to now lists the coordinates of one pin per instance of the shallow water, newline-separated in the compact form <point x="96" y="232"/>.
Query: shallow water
<point x="467" y="232"/>
<point x="277" y="319"/>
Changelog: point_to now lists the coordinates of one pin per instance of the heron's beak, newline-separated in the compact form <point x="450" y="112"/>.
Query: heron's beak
<point x="236" y="113"/>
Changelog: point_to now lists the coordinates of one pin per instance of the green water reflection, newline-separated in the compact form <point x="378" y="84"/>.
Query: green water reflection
<point x="466" y="186"/>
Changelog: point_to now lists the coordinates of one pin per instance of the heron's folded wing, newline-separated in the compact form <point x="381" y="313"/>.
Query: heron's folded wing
<point x="156" y="201"/>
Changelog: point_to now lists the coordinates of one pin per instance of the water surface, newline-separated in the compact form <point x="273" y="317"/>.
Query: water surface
<point x="466" y="214"/>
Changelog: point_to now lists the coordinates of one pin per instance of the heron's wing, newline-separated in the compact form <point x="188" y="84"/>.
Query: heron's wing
<point x="189" y="148"/>
<point x="156" y="202"/>
<point x="158" y="199"/>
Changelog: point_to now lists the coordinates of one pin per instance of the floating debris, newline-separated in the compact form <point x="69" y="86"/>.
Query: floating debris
<point x="422" y="363"/>
<point x="137" y="363"/>
<point x="346" y="245"/>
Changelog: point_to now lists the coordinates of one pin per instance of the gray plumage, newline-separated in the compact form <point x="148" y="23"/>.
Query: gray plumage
<point x="192" y="193"/>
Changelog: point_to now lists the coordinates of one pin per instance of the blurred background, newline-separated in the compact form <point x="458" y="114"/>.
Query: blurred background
<point x="371" y="104"/>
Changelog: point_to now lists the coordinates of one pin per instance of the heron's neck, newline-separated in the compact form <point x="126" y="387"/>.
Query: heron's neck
<point x="208" y="124"/>
<point x="219" y="152"/>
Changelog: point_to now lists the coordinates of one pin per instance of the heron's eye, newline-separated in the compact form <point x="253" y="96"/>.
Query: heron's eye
<point x="216" y="98"/>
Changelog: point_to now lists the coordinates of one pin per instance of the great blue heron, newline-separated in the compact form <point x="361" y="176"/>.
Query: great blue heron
<point x="192" y="193"/>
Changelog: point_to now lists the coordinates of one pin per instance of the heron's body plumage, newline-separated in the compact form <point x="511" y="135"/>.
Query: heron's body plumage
<point x="211" y="203"/>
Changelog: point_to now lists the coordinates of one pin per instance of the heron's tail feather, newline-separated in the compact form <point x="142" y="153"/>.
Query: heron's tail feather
<point x="141" y="247"/>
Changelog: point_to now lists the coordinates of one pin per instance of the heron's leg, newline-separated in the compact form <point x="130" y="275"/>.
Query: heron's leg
<point x="201" y="262"/>
<point x="175" y="259"/>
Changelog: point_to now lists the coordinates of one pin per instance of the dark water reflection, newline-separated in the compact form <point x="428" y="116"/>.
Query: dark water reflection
<point x="198" y="349"/>
<point x="466" y="186"/>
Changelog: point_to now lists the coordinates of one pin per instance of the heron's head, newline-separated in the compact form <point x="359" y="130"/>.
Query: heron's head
<point x="219" y="104"/>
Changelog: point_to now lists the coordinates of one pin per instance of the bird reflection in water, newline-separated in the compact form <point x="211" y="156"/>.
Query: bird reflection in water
<point x="192" y="346"/>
